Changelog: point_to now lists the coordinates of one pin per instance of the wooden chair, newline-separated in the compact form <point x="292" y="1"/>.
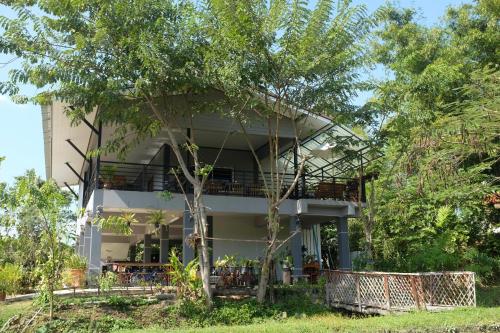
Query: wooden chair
<point x="324" y="190"/>
<point x="339" y="191"/>
<point x="214" y="187"/>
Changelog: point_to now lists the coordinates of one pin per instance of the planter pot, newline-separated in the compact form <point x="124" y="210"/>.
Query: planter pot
<point x="77" y="277"/>
<point x="3" y="295"/>
<point x="287" y="276"/>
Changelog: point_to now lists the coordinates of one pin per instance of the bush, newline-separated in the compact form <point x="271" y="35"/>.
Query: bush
<point x="75" y="261"/>
<point x="485" y="267"/>
<point x="107" y="281"/>
<point x="10" y="278"/>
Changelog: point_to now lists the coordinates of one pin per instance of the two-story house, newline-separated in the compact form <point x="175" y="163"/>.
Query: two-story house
<point x="234" y="197"/>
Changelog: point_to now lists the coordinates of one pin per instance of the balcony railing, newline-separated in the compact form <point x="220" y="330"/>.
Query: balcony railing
<point x="151" y="178"/>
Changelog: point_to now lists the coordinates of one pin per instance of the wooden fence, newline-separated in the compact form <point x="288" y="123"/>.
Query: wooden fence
<point x="377" y="292"/>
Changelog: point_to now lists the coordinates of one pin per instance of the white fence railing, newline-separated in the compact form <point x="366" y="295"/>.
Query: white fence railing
<point x="377" y="292"/>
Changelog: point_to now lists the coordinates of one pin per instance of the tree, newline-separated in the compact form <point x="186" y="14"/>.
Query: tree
<point x="282" y="60"/>
<point x="129" y="60"/>
<point x="441" y="148"/>
<point x="52" y="206"/>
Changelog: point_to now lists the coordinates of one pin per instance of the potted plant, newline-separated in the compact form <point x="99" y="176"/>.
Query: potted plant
<point x="156" y="218"/>
<point x="10" y="278"/>
<point x="230" y="262"/>
<point x="75" y="268"/>
<point x="119" y="224"/>
<point x="107" y="173"/>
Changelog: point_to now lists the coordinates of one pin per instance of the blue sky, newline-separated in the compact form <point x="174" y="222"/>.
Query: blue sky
<point x="21" y="137"/>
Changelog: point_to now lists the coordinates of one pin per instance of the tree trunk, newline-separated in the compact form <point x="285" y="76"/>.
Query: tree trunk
<point x="273" y="227"/>
<point x="264" y="276"/>
<point x="200" y="218"/>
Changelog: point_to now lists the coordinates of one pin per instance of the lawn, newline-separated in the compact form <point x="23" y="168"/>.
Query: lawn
<point x="473" y="319"/>
<point x="126" y="314"/>
<point x="11" y="309"/>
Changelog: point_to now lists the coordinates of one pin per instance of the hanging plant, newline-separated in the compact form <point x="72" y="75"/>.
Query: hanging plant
<point x="119" y="224"/>
<point x="156" y="218"/>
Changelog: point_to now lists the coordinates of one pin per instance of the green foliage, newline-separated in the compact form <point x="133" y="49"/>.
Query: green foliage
<point x="185" y="278"/>
<point x="82" y="324"/>
<point x="107" y="281"/>
<point x="439" y="133"/>
<point x="10" y="278"/>
<point x="74" y="261"/>
<point x="119" y="224"/>
<point x="51" y="206"/>
<point x="196" y="314"/>
<point x="156" y="217"/>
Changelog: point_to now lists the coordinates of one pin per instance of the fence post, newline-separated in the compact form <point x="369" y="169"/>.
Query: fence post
<point x="358" y="293"/>
<point x="414" y="291"/>
<point x="474" y="287"/>
<point x="386" y="292"/>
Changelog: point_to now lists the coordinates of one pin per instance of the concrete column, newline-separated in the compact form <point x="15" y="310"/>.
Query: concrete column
<point x="210" y="234"/>
<point x="147" y="248"/>
<point x="95" y="251"/>
<point x="343" y="244"/>
<point x="81" y="242"/>
<point x="164" y="244"/>
<point x="86" y="241"/>
<point x="296" y="243"/>
<point x="187" y="229"/>
<point x="132" y="252"/>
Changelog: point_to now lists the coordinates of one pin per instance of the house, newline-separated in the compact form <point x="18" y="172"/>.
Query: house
<point x="327" y="191"/>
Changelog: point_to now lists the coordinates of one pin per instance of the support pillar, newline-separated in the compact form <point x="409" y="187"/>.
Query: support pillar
<point x="86" y="241"/>
<point x="164" y="244"/>
<point x="296" y="243"/>
<point x="343" y="244"/>
<point x="210" y="234"/>
<point x="95" y="251"/>
<point x="132" y="250"/>
<point x="81" y="243"/>
<point x="187" y="229"/>
<point x="147" y="249"/>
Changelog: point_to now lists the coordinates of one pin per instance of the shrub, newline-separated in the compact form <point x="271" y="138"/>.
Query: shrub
<point x="107" y="281"/>
<point x="75" y="261"/>
<point x="485" y="267"/>
<point x="10" y="278"/>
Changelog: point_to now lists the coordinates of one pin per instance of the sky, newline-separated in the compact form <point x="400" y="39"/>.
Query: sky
<point x="21" y="137"/>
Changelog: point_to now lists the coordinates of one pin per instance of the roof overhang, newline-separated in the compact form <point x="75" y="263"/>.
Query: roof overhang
<point x="57" y="128"/>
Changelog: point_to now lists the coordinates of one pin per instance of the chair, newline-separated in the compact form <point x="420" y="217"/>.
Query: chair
<point x="214" y="187"/>
<point x="324" y="190"/>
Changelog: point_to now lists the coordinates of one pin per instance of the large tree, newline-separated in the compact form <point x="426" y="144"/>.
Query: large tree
<point x="441" y="152"/>
<point x="283" y="61"/>
<point x="128" y="60"/>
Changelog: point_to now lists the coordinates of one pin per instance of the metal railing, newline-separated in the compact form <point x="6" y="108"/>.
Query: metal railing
<point x="379" y="292"/>
<point x="153" y="177"/>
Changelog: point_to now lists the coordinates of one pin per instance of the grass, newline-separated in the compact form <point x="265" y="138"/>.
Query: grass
<point x="488" y="296"/>
<point x="9" y="310"/>
<point x="133" y="315"/>
<point x="461" y="319"/>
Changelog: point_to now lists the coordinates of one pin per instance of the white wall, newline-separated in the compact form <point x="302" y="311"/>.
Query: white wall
<point x="240" y="227"/>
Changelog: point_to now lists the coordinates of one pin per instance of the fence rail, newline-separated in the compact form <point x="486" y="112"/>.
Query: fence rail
<point x="377" y="292"/>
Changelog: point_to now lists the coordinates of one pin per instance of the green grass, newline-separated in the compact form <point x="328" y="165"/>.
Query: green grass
<point x="8" y="310"/>
<point x="488" y="296"/>
<point x="142" y="314"/>
<point x="463" y="319"/>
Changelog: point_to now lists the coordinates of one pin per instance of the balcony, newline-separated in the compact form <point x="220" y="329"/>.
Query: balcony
<point x="222" y="181"/>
